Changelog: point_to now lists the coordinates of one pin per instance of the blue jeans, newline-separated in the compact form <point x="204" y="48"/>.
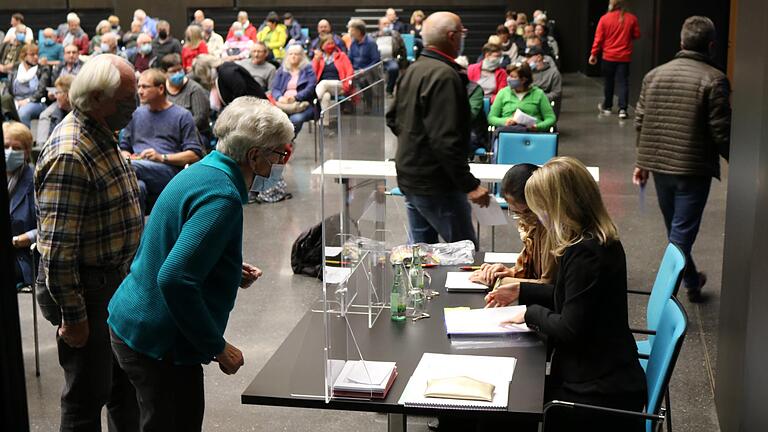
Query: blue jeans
<point x="615" y="73"/>
<point x="447" y="214"/>
<point x="682" y="200"/>
<point x="392" y="69"/>
<point x="152" y="178"/>
<point x="29" y="112"/>
<point x="298" y="119"/>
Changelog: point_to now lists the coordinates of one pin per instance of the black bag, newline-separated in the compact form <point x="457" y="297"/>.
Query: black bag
<point x="307" y="251"/>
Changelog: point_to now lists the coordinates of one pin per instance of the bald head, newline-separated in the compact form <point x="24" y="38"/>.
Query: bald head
<point x="442" y="30"/>
<point x="323" y="27"/>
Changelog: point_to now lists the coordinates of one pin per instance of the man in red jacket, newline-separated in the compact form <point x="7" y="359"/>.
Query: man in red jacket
<point x="614" y="35"/>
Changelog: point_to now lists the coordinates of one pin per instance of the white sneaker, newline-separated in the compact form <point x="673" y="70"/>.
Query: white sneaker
<point x="623" y="114"/>
<point x="603" y="111"/>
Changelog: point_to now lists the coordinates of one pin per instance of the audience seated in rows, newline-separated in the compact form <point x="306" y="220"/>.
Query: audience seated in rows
<point x="536" y="41"/>
<point x="363" y="52"/>
<point x="194" y="45"/>
<point x="489" y="73"/>
<point x="521" y="94"/>
<point x="213" y="40"/>
<point x="238" y="45"/>
<point x="72" y="33"/>
<point x="10" y="51"/>
<point x="143" y="56"/>
<point x="17" y="142"/>
<point x="27" y="86"/>
<point x="294" y="87"/>
<point x="293" y="28"/>
<point x="333" y="70"/>
<point x="102" y="28"/>
<point x="260" y="69"/>
<point x="245" y="25"/>
<point x="72" y="63"/>
<point x="187" y="94"/>
<point x="393" y="22"/>
<point x="509" y="48"/>
<point x="56" y="112"/>
<point x="324" y="28"/>
<point x="108" y="44"/>
<point x="545" y="75"/>
<point x="148" y="24"/>
<point x="165" y="43"/>
<point x="51" y="52"/>
<point x="129" y="38"/>
<point x="391" y="50"/>
<point x="417" y="18"/>
<point x="16" y="20"/>
<point x="274" y="35"/>
<point x="514" y="36"/>
<point x="547" y="40"/>
<point x="197" y="18"/>
<point x="160" y="139"/>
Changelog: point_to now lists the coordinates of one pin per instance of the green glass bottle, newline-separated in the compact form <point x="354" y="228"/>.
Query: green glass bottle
<point x="398" y="297"/>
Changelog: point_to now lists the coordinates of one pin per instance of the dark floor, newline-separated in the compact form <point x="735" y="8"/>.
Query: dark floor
<point x="266" y="313"/>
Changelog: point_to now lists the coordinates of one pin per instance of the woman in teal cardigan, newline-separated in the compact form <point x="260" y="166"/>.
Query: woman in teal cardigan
<point x="169" y="315"/>
<point x="521" y="94"/>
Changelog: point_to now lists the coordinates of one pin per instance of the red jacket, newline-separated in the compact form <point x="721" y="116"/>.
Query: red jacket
<point x="343" y="66"/>
<point x="250" y="32"/>
<point x="188" y="54"/>
<point x="614" y="36"/>
<point x="473" y="73"/>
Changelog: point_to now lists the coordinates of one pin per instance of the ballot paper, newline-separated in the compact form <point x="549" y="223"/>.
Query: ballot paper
<point x="332" y="251"/>
<point x="459" y="282"/>
<point x="336" y="275"/>
<point x="483" y="321"/>
<point x="364" y="375"/>
<point x="501" y="257"/>
<point x="523" y="119"/>
<point x="491" y="215"/>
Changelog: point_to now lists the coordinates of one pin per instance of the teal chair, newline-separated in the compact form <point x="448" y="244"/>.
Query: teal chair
<point x="670" y="335"/>
<point x="486" y="106"/>
<point x="409" y="42"/>
<point x="665" y="286"/>
<point x="305" y="36"/>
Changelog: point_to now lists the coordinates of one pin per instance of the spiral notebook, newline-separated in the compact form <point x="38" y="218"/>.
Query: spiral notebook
<point x="493" y="370"/>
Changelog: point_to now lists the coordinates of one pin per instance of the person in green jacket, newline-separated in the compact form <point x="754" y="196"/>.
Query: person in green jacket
<point x="170" y="313"/>
<point x="520" y="93"/>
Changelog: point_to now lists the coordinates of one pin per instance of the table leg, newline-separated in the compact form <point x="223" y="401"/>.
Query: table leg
<point x="397" y="423"/>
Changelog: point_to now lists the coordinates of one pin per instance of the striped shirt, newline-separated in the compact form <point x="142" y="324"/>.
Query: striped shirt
<point x="88" y="211"/>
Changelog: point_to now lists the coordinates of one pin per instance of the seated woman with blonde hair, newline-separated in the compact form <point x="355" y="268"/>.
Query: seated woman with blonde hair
<point x="584" y="313"/>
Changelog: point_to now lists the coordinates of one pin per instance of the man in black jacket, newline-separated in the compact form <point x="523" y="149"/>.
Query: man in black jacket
<point x="683" y="118"/>
<point x="431" y="119"/>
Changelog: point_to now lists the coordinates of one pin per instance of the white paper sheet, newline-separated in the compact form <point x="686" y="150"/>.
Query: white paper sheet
<point x="460" y="281"/>
<point x="501" y="257"/>
<point x="337" y="275"/>
<point x="332" y="251"/>
<point x="373" y="376"/>
<point x="523" y="119"/>
<point x="483" y="321"/>
<point x="491" y="215"/>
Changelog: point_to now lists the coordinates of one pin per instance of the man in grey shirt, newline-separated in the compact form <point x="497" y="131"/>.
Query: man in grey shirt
<point x="261" y="71"/>
<point x="545" y="75"/>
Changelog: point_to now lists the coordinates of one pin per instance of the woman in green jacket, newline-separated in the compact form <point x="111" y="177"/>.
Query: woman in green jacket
<point x="521" y="94"/>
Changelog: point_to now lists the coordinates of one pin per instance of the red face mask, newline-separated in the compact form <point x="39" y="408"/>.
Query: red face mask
<point x="329" y="48"/>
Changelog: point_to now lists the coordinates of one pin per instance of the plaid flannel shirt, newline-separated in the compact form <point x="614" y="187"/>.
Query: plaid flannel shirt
<point x="88" y="211"/>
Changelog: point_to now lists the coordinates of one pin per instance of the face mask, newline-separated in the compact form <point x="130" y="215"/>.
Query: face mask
<point x="329" y="49"/>
<point x="491" y="64"/>
<point x="533" y="64"/>
<point x="104" y="47"/>
<point x="261" y="184"/>
<point x="20" y="37"/>
<point x="146" y="49"/>
<point x="177" y="79"/>
<point x="13" y="159"/>
<point x="208" y="30"/>
<point x="238" y="34"/>
<point x="162" y="34"/>
<point x="122" y="116"/>
<point x="461" y="45"/>
<point x="513" y="83"/>
<point x="48" y="42"/>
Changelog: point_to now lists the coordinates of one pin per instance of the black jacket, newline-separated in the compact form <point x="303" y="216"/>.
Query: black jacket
<point x="584" y="316"/>
<point x="431" y="120"/>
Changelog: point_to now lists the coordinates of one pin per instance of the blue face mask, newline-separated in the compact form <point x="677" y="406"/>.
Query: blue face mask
<point x="13" y="159"/>
<point x="104" y="47"/>
<point x="461" y="45"/>
<point x="48" y="42"/>
<point x="20" y="37"/>
<point x="533" y="64"/>
<point x="513" y="83"/>
<point x="146" y="49"/>
<point x="177" y="79"/>
<point x="261" y="184"/>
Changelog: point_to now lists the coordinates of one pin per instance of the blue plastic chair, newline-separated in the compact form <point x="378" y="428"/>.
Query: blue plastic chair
<point x="409" y="44"/>
<point x="486" y="106"/>
<point x="305" y="36"/>
<point x="670" y="335"/>
<point x="536" y="148"/>
<point x="665" y="286"/>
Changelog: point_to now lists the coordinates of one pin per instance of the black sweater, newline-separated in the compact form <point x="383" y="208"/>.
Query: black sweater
<point x="584" y="316"/>
<point x="431" y="120"/>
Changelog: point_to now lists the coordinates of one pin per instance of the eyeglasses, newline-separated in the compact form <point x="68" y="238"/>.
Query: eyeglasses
<point x="283" y="155"/>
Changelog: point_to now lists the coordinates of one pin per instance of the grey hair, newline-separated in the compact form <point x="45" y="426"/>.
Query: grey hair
<point x="249" y="122"/>
<point x="436" y="33"/>
<point x="72" y="17"/>
<point x="697" y="33"/>
<point x="356" y="24"/>
<point x="98" y="75"/>
<point x="302" y="64"/>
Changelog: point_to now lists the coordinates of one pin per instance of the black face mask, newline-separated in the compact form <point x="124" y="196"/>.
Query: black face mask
<point x="162" y="34"/>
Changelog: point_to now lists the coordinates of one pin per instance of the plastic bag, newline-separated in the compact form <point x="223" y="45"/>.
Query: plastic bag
<point x="456" y="253"/>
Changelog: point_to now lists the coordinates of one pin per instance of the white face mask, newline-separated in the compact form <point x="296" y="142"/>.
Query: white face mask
<point x="261" y="183"/>
<point x="14" y="159"/>
<point x="491" y="63"/>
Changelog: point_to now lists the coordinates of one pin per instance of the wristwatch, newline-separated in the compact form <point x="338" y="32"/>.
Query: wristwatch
<point x="165" y="158"/>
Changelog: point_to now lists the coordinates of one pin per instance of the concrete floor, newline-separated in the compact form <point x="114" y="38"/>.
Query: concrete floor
<point x="266" y="313"/>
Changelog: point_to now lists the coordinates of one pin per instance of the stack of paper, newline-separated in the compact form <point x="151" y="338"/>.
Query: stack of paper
<point x="497" y="371"/>
<point x="459" y="282"/>
<point x="368" y="379"/>
<point x="523" y="119"/>
<point x="501" y="257"/>
<point x="479" y="322"/>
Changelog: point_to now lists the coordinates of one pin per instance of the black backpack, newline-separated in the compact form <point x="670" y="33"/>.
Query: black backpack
<point x="307" y="251"/>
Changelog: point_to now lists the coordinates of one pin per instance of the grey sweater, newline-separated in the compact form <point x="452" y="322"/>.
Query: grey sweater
<point x="195" y="99"/>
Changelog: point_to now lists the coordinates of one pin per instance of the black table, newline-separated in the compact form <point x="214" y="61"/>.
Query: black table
<point x="294" y="375"/>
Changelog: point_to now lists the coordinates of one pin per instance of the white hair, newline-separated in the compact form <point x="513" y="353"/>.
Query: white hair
<point x="300" y="50"/>
<point x="99" y="74"/>
<point x="72" y="17"/>
<point x="436" y="31"/>
<point x="249" y="122"/>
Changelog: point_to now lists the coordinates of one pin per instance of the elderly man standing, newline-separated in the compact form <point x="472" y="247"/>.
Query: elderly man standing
<point x="89" y="224"/>
<point x="684" y="154"/>
<point x="431" y="119"/>
<point x="170" y="314"/>
<point x="261" y="70"/>
<point x="214" y="40"/>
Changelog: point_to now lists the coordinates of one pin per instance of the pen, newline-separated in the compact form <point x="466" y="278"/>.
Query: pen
<point x="469" y="268"/>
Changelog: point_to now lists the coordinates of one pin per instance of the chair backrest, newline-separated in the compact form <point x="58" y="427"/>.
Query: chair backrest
<point x="670" y="334"/>
<point x="535" y="148"/>
<point x="486" y="105"/>
<point x="665" y="286"/>
<point x="304" y="34"/>
<point x="409" y="43"/>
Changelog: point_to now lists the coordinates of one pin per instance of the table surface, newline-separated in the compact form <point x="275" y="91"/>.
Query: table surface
<point x="294" y="375"/>
<point x="386" y="169"/>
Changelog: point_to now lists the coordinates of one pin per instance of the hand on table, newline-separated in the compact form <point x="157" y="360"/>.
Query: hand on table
<point x="503" y="295"/>
<point x="230" y="359"/>
<point x="518" y="318"/>
<point x="250" y="274"/>
<point x="75" y="334"/>
<point x="480" y="196"/>
<point x="488" y="273"/>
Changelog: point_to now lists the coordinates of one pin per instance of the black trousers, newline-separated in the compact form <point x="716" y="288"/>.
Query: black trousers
<point x="615" y="73"/>
<point x="171" y="397"/>
<point x="92" y="378"/>
<point x="568" y="419"/>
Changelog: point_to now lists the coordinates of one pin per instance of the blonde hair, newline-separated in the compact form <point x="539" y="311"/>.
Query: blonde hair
<point x="566" y="198"/>
<point x="417" y="13"/>
<point x="20" y="132"/>
<point x="194" y="35"/>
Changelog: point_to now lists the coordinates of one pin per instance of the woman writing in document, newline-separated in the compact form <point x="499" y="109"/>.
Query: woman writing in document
<point x="535" y="264"/>
<point x="584" y="314"/>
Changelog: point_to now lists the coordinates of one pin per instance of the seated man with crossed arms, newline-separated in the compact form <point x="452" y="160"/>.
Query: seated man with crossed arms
<point x="160" y="139"/>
